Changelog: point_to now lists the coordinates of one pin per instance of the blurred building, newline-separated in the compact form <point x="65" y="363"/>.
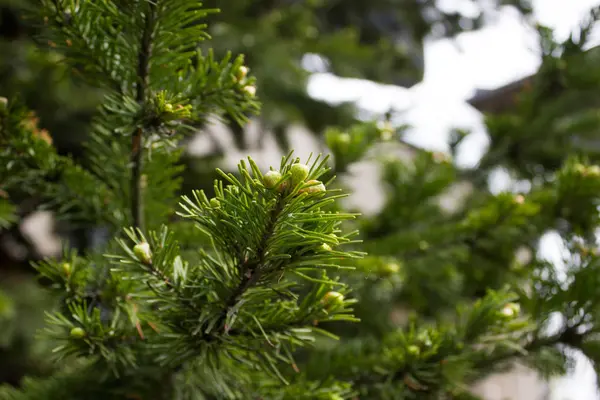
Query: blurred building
<point x="496" y="101"/>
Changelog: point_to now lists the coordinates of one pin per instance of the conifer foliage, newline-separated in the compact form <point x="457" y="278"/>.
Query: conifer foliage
<point x="265" y="290"/>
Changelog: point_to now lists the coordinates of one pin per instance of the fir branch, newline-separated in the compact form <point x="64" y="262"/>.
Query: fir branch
<point x="251" y="270"/>
<point x="70" y="31"/>
<point x="568" y="337"/>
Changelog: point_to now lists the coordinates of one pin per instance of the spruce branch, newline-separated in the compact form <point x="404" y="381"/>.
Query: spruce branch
<point x="568" y="337"/>
<point x="259" y="232"/>
<point x="250" y="271"/>
<point x="86" y="49"/>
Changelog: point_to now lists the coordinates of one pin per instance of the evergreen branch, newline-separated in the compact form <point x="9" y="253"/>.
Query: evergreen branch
<point x="33" y="168"/>
<point x="569" y="337"/>
<point x="251" y="271"/>
<point x="71" y="24"/>
<point x="463" y="237"/>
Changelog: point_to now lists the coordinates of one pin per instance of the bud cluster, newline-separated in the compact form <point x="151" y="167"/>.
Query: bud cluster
<point x="299" y="173"/>
<point x="587" y="170"/>
<point x="240" y="78"/>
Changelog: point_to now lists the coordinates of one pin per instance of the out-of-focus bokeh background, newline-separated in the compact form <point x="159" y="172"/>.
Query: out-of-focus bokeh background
<point x="434" y="65"/>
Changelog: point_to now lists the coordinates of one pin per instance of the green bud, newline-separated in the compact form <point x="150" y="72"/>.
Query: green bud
<point x="215" y="203"/>
<point x="333" y="300"/>
<point x="315" y="187"/>
<point x="580" y="168"/>
<point x="343" y="138"/>
<point x="299" y="173"/>
<point x="169" y="107"/>
<point x="142" y="251"/>
<point x="77" y="333"/>
<point x="424" y="339"/>
<point x="66" y="267"/>
<point x="413" y="350"/>
<point x="242" y="72"/>
<point x="325" y="247"/>
<point x="389" y="268"/>
<point x="593" y="170"/>
<point x="511" y="310"/>
<point x="271" y="178"/>
<point x="250" y="90"/>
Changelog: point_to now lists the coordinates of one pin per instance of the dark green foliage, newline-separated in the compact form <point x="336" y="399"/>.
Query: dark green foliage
<point x="33" y="169"/>
<point x="20" y="317"/>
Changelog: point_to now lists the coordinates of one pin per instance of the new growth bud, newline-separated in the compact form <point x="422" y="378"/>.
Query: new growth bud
<point x="325" y="247"/>
<point x="242" y="72"/>
<point x="250" y="90"/>
<point x="389" y="268"/>
<point x="77" y="333"/>
<point x="143" y="253"/>
<point x="343" y="138"/>
<point x="511" y="310"/>
<point x="413" y="350"/>
<point x="299" y="173"/>
<point x="593" y="170"/>
<point x="333" y="300"/>
<point x="271" y="178"/>
<point x="66" y="268"/>
<point x="315" y="187"/>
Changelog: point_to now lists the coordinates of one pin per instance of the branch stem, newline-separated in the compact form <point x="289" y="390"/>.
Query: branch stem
<point x="137" y="145"/>
<point x="251" y="270"/>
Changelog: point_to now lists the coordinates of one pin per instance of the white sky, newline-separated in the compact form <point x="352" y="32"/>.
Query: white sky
<point x="503" y="52"/>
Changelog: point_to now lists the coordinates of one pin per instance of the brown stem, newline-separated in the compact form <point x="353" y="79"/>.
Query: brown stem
<point x="251" y="270"/>
<point x="145" y="51"/>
